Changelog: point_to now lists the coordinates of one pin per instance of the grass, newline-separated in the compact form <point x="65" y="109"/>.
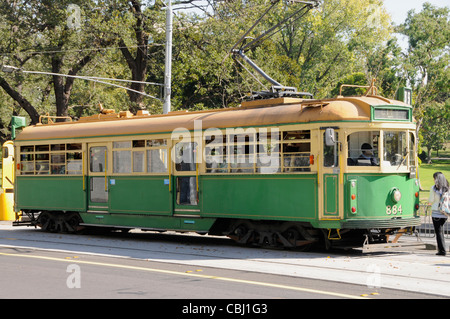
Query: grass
<point x="426" y="172"/>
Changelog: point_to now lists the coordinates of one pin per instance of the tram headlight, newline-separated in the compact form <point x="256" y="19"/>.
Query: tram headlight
<point x="396" y="195"/>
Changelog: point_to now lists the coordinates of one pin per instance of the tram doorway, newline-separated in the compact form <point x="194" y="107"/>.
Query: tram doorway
<point x="329" y="172"/>
<point x="98" y="177"/>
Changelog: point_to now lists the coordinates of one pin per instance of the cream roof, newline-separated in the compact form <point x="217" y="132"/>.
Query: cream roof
<point x="253" y="114"/>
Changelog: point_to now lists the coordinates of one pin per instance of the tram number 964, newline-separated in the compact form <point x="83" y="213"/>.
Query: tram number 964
<point x="394" y="210"/>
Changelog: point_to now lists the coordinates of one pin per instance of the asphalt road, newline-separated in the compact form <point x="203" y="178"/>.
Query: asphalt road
<point x="30" y="273"/>
<point x="35" y="264"/>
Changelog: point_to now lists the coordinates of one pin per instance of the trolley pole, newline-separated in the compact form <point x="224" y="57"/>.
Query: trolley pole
<point x="168" y="67"/>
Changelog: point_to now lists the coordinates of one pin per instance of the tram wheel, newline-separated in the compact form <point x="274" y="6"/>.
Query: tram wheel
<point x="72" y="222"/>
<point x="47" y="222"/>
<point x="292" y="235"/>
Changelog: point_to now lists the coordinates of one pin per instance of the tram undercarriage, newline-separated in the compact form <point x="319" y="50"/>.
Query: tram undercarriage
<point x="300" y="236"/>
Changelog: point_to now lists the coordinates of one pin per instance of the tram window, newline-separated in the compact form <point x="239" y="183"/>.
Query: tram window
<point x="185" y="156"/>
<point x="215" y="158"/>
<point x="58" y="163"/>
<point x="138" y="161"/>
<point x="296" y="157"/>
<point x="58" y="147"/>
<point x="27" y="168"/>
<point x="98" y="156"/>
<point x="122" y="161"/>
<point x="330" y="153"/>
<point x="42" y="148"/>
<point x="296" y="151"/>
<point x="215" y="152"/>
<point x="395" y="148"/>
<point x="74" y="147"/>
<point x="363" y="149"/>
<point x="74" y="163"/>
<point x="27" y="149"/>
<point x="297" y="135"/>
<point x="122" y="144"/>
<point x="157" y="160"/>
<point x="268" y="157"/>
<point x="186" y="191"/>
<point x="51" y="159"/>
<point x="412" y="152"/>
<point x="138" y="143"/>
<point x="157" y="142"/>
<point x="241" y="158"/>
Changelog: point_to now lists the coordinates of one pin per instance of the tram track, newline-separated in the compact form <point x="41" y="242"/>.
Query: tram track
<point x="220" y="252"/>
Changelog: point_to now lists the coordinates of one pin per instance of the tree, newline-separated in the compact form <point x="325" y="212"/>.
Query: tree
<point x="428" y="56"/>
<point x="435" y="124"/>
<point x="46" y="35"/>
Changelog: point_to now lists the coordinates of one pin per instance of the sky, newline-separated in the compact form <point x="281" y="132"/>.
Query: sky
<point x="398" y="9"/>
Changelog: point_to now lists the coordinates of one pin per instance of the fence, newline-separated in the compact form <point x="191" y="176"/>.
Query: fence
<point x="427" y="229"/>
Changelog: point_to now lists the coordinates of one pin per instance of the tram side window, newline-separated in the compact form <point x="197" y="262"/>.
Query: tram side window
<point x="216" y="153"/>
<point x="55" y="159"/>
<point x="122" y="157"/>
<point x="241" y="151"/>
<point x="412" y="152"/>
<point x="363" y="149"/>
<point x="268" y="160"/>
<point x="265" y="151"/>
<point x="296" y="151"/>
<point x="157" y="158"/>
<point x="140" y="156"/>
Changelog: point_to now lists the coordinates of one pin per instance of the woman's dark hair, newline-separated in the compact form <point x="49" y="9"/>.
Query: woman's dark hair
<point x="441" y="183"/>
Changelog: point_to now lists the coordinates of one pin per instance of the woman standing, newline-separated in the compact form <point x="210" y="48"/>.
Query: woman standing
<point x="440" y="186"/>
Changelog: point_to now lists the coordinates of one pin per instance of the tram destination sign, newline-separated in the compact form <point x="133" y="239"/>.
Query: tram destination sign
<point x="391" y="114"/>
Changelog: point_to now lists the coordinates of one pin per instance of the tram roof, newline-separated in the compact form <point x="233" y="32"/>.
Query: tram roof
<point x="253" y="113"/>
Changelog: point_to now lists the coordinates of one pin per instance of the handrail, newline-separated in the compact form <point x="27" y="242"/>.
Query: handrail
<point x="370" y="88"/>
<point x="50" y="117"/>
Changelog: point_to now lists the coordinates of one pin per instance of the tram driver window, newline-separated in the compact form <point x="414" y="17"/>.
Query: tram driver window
<point x="331" y="153"/>
<point x="363" y="149"/>
<point x="395" y="148"/>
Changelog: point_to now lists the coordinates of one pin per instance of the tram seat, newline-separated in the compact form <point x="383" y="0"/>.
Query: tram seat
<point x="364" y="162"/>
<point x="352" y="161"/>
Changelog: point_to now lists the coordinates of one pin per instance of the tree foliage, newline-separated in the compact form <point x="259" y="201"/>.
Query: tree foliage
<point x="341" y="41"/>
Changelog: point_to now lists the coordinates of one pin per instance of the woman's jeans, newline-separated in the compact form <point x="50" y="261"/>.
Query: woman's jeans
<point x="438" y="224"/>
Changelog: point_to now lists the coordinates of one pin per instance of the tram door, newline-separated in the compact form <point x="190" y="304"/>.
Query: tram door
<point x="329" y="175"/>
<point x="97" y="177"/>
<point x="186" y="201"/>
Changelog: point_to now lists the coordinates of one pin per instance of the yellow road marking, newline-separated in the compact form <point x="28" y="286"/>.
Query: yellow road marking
<point x="171" y="272"/>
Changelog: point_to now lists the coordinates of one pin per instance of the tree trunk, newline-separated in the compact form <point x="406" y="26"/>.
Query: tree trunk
<point x="22" y="101"/>
<point x="63" y="87"/>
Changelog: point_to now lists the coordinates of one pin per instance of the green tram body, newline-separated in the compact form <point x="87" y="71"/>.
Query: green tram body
<point x="146" y="172"/>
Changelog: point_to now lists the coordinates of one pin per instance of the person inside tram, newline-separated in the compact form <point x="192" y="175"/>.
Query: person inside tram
<point x="367" y="158"/>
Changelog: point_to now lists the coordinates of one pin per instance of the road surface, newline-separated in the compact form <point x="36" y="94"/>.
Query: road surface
<point x="35" y="264"/>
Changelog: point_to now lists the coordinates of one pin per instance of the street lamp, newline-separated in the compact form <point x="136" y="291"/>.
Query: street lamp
<point x="168" y="66"/>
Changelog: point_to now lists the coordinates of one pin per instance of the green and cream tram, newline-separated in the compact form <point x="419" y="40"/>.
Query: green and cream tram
<point x="279" y="172"/>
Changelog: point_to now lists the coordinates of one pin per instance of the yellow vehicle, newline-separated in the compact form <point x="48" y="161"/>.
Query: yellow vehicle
<point x="7" y="190"/>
